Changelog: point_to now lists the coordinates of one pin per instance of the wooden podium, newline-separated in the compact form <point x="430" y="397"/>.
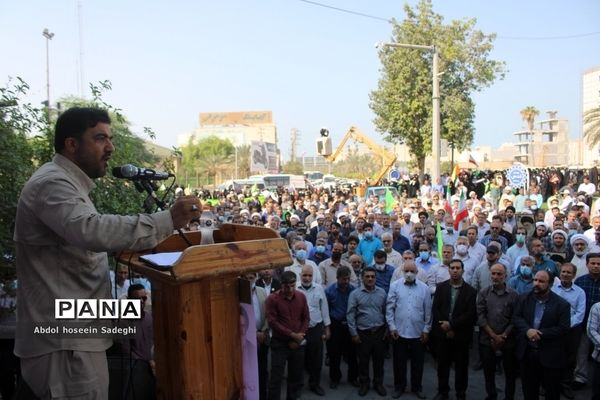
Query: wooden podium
<point x="195" y="306"/>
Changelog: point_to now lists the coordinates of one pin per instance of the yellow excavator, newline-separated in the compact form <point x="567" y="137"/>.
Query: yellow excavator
<point x="388" y="159"/>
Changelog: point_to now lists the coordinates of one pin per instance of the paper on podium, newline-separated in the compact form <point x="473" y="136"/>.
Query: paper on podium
<point x="161" y="260"/>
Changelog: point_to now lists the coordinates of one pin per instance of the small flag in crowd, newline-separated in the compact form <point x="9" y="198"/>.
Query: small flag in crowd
<point x="462" y="212"/>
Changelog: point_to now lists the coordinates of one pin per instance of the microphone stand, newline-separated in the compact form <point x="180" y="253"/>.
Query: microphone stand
<point x="150" y="187"/>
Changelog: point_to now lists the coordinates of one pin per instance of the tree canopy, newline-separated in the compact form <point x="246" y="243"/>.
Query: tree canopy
<point x="591" y="126"/>
<point x="210" y="158"/>
<point x="27" y="141"/>
<point x="402" y="102"/>
<point x="528" y="115"/>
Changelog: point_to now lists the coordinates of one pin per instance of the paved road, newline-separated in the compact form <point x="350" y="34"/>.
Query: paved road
<point x="476" y="389"/>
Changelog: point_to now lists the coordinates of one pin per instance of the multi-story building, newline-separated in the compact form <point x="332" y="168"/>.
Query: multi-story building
<point x="241" y="128"/>
<point x="545" y="146"/>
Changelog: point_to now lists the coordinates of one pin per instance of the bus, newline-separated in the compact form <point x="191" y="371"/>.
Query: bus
<point x="313" y="176"/>
<point x="282" y="180"/>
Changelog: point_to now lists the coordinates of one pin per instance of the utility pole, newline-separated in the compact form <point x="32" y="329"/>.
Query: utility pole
<point x="295" y="135"/>
<point x="48" y="35"/>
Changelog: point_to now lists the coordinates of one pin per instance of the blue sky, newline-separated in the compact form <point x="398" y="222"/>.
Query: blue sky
<point x="310" y="65"/>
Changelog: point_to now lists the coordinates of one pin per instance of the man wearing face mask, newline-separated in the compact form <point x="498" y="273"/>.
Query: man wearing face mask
<point x="470" y="263"/>
<point x="575" y="296"/>
<point x="449" y="235"/>
<point x="541" y="319"/>
<point x="366" y="323"/>
<point x="320" y="252"/>
<point x="519" y="249"/>
<point x="522" y="282"/>
<point x="329" y="267"/>
<point x="384" y="270"/>
<point x="368" y="245"/>
<point x="300" y="260"/>
<point x="425" y="262"/>
<point x="408" y="314"/>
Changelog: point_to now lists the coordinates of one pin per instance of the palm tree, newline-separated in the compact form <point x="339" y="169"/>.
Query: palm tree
<point x="214" y="165"/>
<point x="528" y="115"/>
<point x="243" y="155"/>
<point x="591" y="126"/>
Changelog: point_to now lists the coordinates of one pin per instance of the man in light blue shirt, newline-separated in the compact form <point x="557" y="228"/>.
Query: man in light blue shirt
<point x="575" y="296"/>
<point x="368" y="245"/>
<point x="408" y="314"/>
<point x="425" y="261"/>
<point x="366" y="323"/>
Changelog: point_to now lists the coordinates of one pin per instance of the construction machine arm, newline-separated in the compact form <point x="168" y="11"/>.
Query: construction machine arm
<point x="388" y="158"/>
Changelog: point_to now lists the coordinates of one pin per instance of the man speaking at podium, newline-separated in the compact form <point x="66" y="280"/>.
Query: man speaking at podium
<point x="62" y="244"/>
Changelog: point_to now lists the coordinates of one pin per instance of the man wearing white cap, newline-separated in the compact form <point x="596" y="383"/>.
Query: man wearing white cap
<point x="566" y="201"/>
<point x="581" y="246"/>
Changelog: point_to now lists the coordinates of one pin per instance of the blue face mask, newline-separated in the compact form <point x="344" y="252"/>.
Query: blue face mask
<point x="525" y="270"/>
<point x="424" y="255"/>
<point x="520" y="238"/>
<point x="320" y="249"/>
<point x="301" y="255"/>
<point x="368" y="235"/>
<point x="142" y="281"/>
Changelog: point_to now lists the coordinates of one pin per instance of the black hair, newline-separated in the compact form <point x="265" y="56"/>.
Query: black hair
<point x="134" y="288"/>
<point x="75" y="121"/>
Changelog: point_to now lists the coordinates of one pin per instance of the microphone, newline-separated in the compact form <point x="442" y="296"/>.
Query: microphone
<point x="134" y="173"/>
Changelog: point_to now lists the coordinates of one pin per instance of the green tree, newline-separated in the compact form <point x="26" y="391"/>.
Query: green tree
<point x="243" y="161"/>
<point x="293" y="167"/>
<point x="17" y="121"/>
<point x="402" y="101"/>
<point x="591" y="126"/>
<point x="528" y="115"/>
<point x="211" y="157"/>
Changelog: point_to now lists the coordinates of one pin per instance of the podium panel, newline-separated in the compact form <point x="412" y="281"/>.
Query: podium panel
<point x="195" y="306"/>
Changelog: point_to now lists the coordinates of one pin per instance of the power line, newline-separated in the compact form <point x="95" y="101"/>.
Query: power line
<point x="344" y="10"/>
<point x="575" y="36"/>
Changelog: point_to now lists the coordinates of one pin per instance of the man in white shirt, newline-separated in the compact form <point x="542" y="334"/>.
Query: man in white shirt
<point x="318" y="328"/>
<point x="408" y="315"/>
<point x="470" y="263"/>
<point x="394" y="258"/>
<point x="588" y="187"/>
<point x="300" y="260"/>
<point x="476" y="249"/>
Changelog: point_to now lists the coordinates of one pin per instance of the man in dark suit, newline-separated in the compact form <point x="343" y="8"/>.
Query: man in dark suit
<point x="268" y="282"/>
<point x="542" y="319"/>
<point x="454" y="314"/>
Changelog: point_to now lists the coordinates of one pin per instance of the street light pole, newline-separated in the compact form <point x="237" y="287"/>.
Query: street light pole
<point x="48" y="35"/>
<point x="435" y="96"/>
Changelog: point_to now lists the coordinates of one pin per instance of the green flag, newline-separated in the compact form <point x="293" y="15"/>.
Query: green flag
<point x="440" y="240"/>
<point x="389" y="201"/>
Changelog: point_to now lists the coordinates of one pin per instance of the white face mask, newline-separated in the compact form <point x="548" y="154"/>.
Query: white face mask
<point x="410" y="277"/>
<point x="461" y="249"/>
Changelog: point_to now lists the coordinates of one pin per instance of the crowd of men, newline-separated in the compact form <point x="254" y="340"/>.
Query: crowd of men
<point x="371" y="280"/>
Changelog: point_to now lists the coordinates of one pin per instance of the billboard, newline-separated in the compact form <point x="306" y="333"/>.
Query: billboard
<point x="263" y="157"/>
